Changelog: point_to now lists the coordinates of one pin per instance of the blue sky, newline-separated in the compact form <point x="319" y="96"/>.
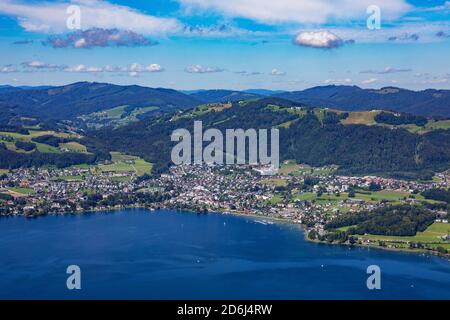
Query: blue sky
<point x="234" y="44"/>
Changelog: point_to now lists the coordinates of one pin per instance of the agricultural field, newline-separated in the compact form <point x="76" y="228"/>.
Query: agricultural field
<point x="368" y="118"/>
<point x="204" y="109"/>
<point x="432" y="235"/>
<point x="23" y="191"/>
<point x="362" y="117"/>
<point x="439" y="124"/>
<point x="276" y="199"/>
<point x="73" y="147"/>
<point x="290" y="167"/>
<point x="430" y="126"/>
<point x="122" y="163"/>
<point x="10" y="138"/>
<point x="391" y="196"/>
<point x="69" y="178"/>
<point x="287" y="124"/>
<point x="276" y="182"/>
<point x="114" y="113"/>
<point x="320" y="113"/>
<point x="117" y="116"/>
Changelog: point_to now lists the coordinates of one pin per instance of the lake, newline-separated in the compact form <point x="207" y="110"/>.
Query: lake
<point x="166" y="254"/>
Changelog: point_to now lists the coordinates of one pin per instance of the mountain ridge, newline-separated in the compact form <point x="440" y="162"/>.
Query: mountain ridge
<point x="428" y="102"/>
<point x="76" y="99"/>
<point x="311" y="136"/>
<point x="81" y="98"/>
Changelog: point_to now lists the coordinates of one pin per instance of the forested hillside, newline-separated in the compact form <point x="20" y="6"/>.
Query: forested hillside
<point x="71" y="101"/>
<point x="305" y="135"/>
<point x="352" y="98"/>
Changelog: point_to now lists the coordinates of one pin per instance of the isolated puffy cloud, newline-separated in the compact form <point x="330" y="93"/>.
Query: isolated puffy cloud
<point x="320" y="39"/>
<point x="136" y="69"/>
<point x="405" y="37"/>
<point x="154" y="67"/>
<point x="300" y="11"/>
<point x="196" y="68"/>
<point x="97" y="37"/>
<point x="276" y="72"/>
<point x="50" y="17"/>
<point x="386" y="70"/>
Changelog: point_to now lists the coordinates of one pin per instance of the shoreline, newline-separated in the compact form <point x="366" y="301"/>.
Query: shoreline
<point x="243" y="214"/>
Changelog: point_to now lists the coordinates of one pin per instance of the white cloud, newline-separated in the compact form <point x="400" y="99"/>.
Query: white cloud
<point x="133" y="70"/>
<point x="248" y="73"/>
<point x="136" y="68"/>
<point x="50" y="17"/>
<point x="318" y="39"/>
<point x="196" y="68"/>
<point x="154" y="67"/>
<point x="37" y="64"/>
<point x="387" y="70"/>
<point x="300" y="11"/>
<point x="8" y="69"/>
<point x="424" y="32"/>
<point x="83" y="69"/>
<point x="97" y="37"/>
<point x="276" y="72"/>
<point x="369" y="81"/>
<point x="110" y="68"/>
<point x="443" y="7"/>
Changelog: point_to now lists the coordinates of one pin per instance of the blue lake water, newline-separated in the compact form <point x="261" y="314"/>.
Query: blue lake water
<point x="167" y="254"/>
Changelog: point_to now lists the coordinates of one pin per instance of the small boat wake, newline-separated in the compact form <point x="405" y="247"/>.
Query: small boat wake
<point x="264" y="222"/>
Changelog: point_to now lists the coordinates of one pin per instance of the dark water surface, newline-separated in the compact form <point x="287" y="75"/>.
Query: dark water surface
<point x="176" y="255"/>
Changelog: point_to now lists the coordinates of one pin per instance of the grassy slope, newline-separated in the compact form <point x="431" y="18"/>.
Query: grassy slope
<point x="432" y="235"/>
<point x="390" y="196"/>
<point x="44" y="148"/>
<point x="363" y="117"/>
<point x="124" y="163"/>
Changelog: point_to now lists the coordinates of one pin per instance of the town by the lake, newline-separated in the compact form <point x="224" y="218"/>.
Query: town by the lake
<point x="312" y="197"/>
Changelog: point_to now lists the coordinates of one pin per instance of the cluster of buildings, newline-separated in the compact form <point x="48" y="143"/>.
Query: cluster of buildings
<point x="234" y="189"/>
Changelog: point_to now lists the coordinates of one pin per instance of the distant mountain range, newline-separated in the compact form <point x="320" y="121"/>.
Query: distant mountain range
<point x="7" y="88"/>
<point x="351" y="98"/>
<point x="70" y="101"/>
<point x="82" y="98"/>
<point x="259" y="92"/>
<point x="429" y="102"/>
<point x="211" y="96"/>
